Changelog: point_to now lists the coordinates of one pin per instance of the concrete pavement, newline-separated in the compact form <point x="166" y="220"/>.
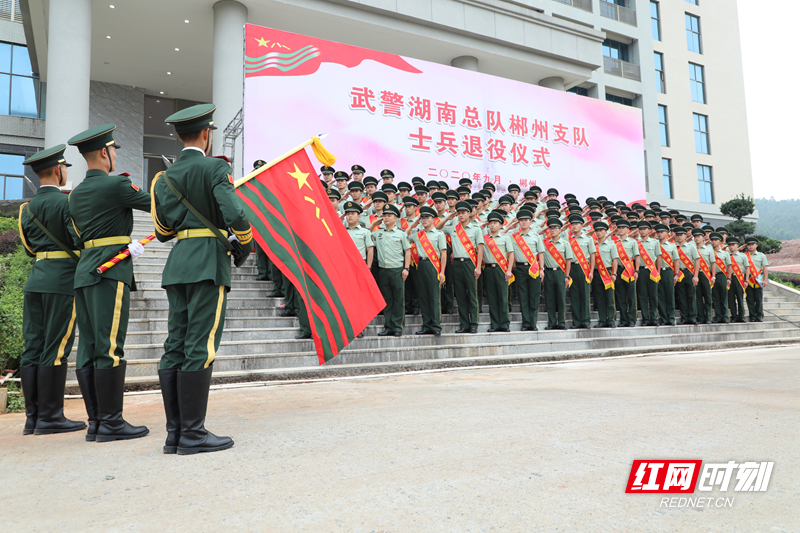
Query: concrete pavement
<point x="544" y="447"/>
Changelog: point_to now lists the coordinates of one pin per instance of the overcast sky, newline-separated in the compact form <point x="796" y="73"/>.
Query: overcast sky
<point x="772" y="89"/>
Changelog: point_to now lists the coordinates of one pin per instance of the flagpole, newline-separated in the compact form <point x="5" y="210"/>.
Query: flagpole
<point x="312" y="141"/>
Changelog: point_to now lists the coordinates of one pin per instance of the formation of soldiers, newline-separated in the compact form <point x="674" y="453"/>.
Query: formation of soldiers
<point x="429" y="246"/>
<point x="72" y="236"/>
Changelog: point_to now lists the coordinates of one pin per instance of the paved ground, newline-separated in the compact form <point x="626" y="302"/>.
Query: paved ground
<point x="533" y="448"/>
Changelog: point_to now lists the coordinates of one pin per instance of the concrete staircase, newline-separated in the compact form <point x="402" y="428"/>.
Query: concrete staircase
<point x="258" y="344"/>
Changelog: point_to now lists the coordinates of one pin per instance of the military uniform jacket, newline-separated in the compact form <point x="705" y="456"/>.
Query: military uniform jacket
<point x="608" y="252"/>
<point x="473" y="233"/>
<point x="534" y="242"/>
<point x="102" y="206"/>
<point x="741" y="258"/>
<point x="53" y="276"/>
<point x="562" y="246"/>
<point x="209" y="188"/>
<point x="391" y="245"/>
<point x="707" y="252"/>
<point x="653" y="247"/>
<point x="503" y="242"/>
<point x="362" y="239"/>
<point x="587" y="245"/>
<point x="691" y="253"/>
<point x="437" y="238"/>
<point x="672" y="251"/>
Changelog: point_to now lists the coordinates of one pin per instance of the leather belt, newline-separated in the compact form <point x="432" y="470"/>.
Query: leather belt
<point x="462" y="259"/>
<point x="523" y="264"/>
<point x="548" y="268"/>
<point x="491" y="265"/>
<point x="198" y="232"/>
<point x="55" y="255"/>
<point x="106" y="241"/>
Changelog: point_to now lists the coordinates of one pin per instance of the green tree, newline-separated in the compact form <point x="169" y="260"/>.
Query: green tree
<point x="738" y="207"/>
<point x="767" y="245"/>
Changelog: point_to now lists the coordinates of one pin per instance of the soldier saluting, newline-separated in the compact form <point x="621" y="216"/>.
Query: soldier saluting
<point x="102" y="212"/>
<point x="195" y="201"/>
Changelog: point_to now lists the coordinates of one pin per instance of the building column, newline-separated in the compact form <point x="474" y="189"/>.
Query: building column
<point x="556" y="83"/>
<point x="228" y="67"/>
<point x="69" y="53"/>
<point x="465" y="62"/>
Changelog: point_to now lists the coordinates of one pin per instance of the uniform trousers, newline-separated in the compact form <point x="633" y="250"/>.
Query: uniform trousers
<point x="465" y="291"/>
<point x="647" y="291"/>
<point x="411" y="293"/>
<point x="684" y="294"/>
<point x="666" y="296"/>
<point x="294" y="302"/>
<point x="555" y="298"/>
<point x="703" y="299"/>
<point x="48" y="328"/>
<point x="497" y="290"/>
<point x="530" y="291"/>
<point x="755" y="299"/>
<point x="605" y="301"/>
<point x="736" y="299"/>
<point x="429" y="292"/>
<point x="447" y="293"/>
<point x="719" y="297"/>
<point x="393" y="291"/>
<point x="102" y="314"/>
<point x="626" y="298"/>
<point x="579" y="297"/>
<point x="262" y="263"/>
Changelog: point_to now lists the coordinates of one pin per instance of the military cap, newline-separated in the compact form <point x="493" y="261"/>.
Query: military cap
<point x="535" y="188"/>
<point x="95" y="138"/>
<point x="611" y="211"/>
<point x="624" y="209"/>
<point x="427" y="211"/>
<point x="499" y="216"/>
<point x="323" y="169"/>
<point x="594" y="205"/>
<point x="555" y="204"/>
<point x="674" y="212"/>
<point x="514" y="187"/>
<point x="333" y="193"/>
<point x="444" y="185"/>
<point x="696" y="217"/>
<point x="529" y="206"/>
<point x="44" y="159"/>
<point x="194" y="118"/>
<point x="616" y="218"/>
<point x="602" y="199"/>
<point x="473" y="203"/>
<point x="600" y="225"/>
<point x="639" y="208"/>
<point x="552" y="191"/>
<point x="353" y="206"/>
<point x="620" y="203"/>
<point x="698" y="232"/>
<point x="506" y="199"/>
<point x="680" y="230"/>
<point x="421" y="189"/>
<point x="530" y="194"/>
<point x="391" y="210"/>
<point x="595" y="216"/>
<point x="664" y="214"/>
<point x="463" y="190"/>
<point x="732" y="240"/>
<point x="388" y="187"/>
<point x="632" y="215"/>
<point x="378" y="196"/>
<point x="259" y="163"/>
<point x="410" y="200"/>
<point x="341" y="175"/>
<point x="439" y="197"/>
<point x="572" y="201"/>
<point x="465" y="182"/>
<point x="550" y="213"/>
<point x="576" y="219"/>
<point x="524" y="213"/>
<point x="751" y="240"/>
<point x="452" y="194"/>
<point x="673" y="226"/>
<point x="680" y="218"/>
<point x="715" y="235"/>
<point x="570" y="196"/>
<point x="416" y="180"/>
<point x="324" y="184"/>
<point x="649" y="213"/>
<point x="553" y="222"/>
<point x="607" y="204"/>
<point x="478" y="196"/>
<point x="491" y="186"/>
<point x="708" y="227"/>
<point x="653" y="205"/>
<point x="463" y="206"/>
<point x="386" y="173"/>
<point x="370" y="180"/>
<point x="622" y="223"/>
<point x="662" y="227"/>
<point x="723" y="230"/>
<point x="689" y="226"/>
<point x="432" y="184"/>
<point x="355" y="185"/>
<point x="644" y="224"/>
<point x="403" y="186"/>
<point x="590" y="200"/>
<point x="574" y="209"/>
<point x="357" y="168"/>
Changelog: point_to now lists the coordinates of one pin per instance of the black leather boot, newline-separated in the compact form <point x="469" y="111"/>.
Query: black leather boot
<point x="168" y="377"/>
<point x="110" y="384"/>
<point x="52" y="380"/>
<point x="86" y="383"/>
<point x="30" y="390"/>
<point x="193" y="395"/>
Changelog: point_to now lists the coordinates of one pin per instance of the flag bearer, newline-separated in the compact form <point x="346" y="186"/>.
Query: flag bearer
<point x="467" y="260"/>
<point x="649" y="274"/>
<point x="605" y="275"/>
<point x="627" y="275"/>
<point x="394" y="257"/>
<point x="498" y="259"/>
<point x="740" y="274"/>
<point x="102" y="212"/>
<point x="581" y="272"/>
<point x="557" y="259"/>
<point x="528" y="268"/>
<point x="431" y="247"/>
<point x="666" y="287"/>
<point x="722" y="279"/>
<point x="758" y="280"/>
<point x="48" y="307"/>
<point x="197" y="276"/>
<point x="705" y="276"/>
<point x="688" y="265"/>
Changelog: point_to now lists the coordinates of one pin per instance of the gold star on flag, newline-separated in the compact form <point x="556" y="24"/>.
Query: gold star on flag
<point x="261" y="41"/>
<point x="301" y="177"/>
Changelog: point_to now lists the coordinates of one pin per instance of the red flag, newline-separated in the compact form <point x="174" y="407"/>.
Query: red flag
<point x="295" y="223"/>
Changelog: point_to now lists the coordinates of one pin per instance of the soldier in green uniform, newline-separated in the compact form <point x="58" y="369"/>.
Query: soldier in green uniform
<point x="466" y="267"/>
<point x="646" y="287"/>
<point x="429" y="279"/>
<point x="607" y="257"/>
<point x="666" y="287"/>
<point x="341" y="177"/>
<point x="758" y="280"/>
<point x="626" y="290"/>
<point x="555" y="280"/>
<point x="394" y="257"/>
<point x="496" y="277"/>
<point x="102" y="213"/>
<point x="528" y="287"/>
<point x="361" y="236"/>
<point x="440" y="202"/>
<point x="579" y="291"/>
<point x="684" y="289"/>
<point x="197" y="276"/>
<point x="262" y="261"/>
<point x="703" y="289"/>
<point x="722" y="279"/>
<point x="737" y="288"/>
<point x="48" y="307"/>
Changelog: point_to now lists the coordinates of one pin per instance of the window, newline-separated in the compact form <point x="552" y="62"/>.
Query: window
<point x="666" y="171"/>
<point x="662" y="125"/>
<point x="693" y="2"/>
<point x="697" y="83"/>
<point x="580" y="91"/>
<point x="11" y="176"/>
<point x="615" y="49"/>
<point x="20" y="90"/>
<point x="659" y="60"/>
<point x="619" y="99"/>
<point x="701" y="134"/>
<point x="654" y="21"/>
<point x="704" y="182"/>
<point x="693" y="33"/>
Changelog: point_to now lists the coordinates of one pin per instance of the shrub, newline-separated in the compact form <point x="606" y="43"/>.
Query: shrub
<point x="16" y="402"/>
<point x="14" y="269"/>
<point x="767" y="245"/>
<point x="8" y="242"/>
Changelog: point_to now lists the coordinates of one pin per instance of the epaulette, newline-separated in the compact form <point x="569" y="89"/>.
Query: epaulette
<point x="222" y="156"/>
<point x="124" y="175"/>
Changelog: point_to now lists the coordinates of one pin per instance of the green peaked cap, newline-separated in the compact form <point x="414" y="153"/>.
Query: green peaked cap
<point x="50" y="157"/>
<point x="195" y="118"/>
<point x="95" y="138"/>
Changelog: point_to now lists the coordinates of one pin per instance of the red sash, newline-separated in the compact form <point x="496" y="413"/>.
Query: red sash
<point x="667" y="258"/>
<point x="533" y="271"/>
<point x="737" y="271"/>
<point x="433" y="255"/>
<point x="615" y="238"/>
<point x="404" y="224"/>
<point x="577" y="251"/>
<point x="721" y="265"/>
<point x="373" y="218"/>
<point x="753" y="272"/>
<point x="687" y="263"/>
<point x="414" y="256"/>
<point x="627" y="262"/>
<point x="499" y="256"/>
<point x="467" y="244"/>
<point x="705" y="269"/>
<point x="604" y="275"/>
<point x="364" y="199"/>
<point x="655" y="275"/>
<point x="557" y="257"/>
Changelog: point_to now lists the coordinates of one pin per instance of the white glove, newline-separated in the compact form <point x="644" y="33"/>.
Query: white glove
<point x="233" y="237"/>
<point x="136" y="249"/>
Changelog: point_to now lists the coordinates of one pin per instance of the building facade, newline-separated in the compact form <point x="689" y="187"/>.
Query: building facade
<point x="133" y="62"/>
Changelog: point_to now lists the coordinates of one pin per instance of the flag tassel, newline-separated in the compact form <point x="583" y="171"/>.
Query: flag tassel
<point x="323" y="155"/>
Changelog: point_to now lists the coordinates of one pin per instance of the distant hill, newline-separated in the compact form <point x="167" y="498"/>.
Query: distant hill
<point x="779" y="219"/>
